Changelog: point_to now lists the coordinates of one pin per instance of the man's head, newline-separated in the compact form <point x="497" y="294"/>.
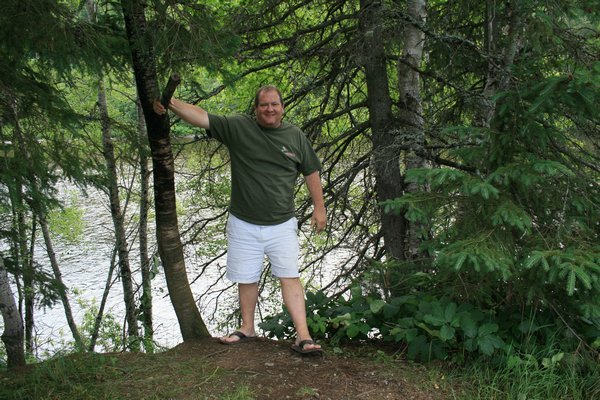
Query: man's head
<point x="268" y="107"/>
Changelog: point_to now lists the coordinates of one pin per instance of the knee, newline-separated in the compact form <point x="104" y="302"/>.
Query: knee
<point x="290" y="281"/>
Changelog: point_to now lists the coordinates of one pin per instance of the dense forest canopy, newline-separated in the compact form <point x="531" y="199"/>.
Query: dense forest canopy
<point x="459" y="139"/>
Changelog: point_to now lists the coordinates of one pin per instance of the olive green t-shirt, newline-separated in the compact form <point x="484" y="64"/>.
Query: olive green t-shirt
<point x="265" y="164"/>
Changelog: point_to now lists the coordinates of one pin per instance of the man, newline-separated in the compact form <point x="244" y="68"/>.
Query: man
<point x="266" y="156"/>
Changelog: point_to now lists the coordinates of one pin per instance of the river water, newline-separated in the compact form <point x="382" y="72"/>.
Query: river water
<point x="85" y="264"/>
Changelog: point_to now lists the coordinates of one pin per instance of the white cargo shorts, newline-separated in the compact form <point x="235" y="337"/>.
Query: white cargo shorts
<point x="248" y="244"/>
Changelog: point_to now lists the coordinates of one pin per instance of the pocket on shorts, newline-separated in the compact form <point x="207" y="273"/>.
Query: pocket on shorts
<point x="236" y="228"/>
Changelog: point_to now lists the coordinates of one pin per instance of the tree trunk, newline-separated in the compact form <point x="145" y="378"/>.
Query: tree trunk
<point x="500" y="57"/>
<point x="116" y="213"/>
<point x="39" y="212"/>
<point x="12" y="337"/>
<point x="411" y="109"/>
<point x="146" y="299"/>
<point x="167" y="230"/>
<point x="102" y="306"/>
<point x="62" y="289"/>
<point x="23" y="259"/>
<point x="386" y="154"/>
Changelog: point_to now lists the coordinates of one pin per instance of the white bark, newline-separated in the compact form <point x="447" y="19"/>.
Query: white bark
<point x="13" y="325"/>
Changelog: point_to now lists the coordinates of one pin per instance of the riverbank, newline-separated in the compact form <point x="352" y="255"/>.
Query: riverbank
<point x="261" y="369"/>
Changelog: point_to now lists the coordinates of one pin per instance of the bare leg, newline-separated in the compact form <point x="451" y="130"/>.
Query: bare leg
<point x="293" y="297"/>
<point x="248" y="293"/>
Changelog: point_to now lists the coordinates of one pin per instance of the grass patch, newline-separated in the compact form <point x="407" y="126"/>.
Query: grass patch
<point x="75" y="376"/>
<point x="532" y="379"/>
<point x="123" y="376"/>
<point x="241" y="393"/>
<point x="207" y="370"/>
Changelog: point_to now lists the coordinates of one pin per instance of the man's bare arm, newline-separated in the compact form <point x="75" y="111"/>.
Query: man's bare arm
<point x="190" y="113"/>
<point x="319" y="215"/>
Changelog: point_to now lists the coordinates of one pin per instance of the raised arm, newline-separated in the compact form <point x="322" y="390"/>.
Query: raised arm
<point x="319" y="216"/>
<point x="188" y="112"/>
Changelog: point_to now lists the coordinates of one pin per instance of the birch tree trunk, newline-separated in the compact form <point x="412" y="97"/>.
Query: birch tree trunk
<point x="23" y="259"/>
<point x="386" y="154"/>
<point x="168" y="238"/>
<point x="13" y="334"/>
<point x="411" y="109"/>
<point x="116" y="213"/>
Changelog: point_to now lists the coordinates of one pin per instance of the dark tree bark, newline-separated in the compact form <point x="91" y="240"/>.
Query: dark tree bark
<point x="146" y="299"/>
<point x="386" y="153"/>
<point x="168" y="238"/>
<point x="13" y="334"/>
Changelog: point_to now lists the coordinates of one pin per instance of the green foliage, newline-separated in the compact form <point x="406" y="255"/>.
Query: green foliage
<point x="45" y="287"/>
<point x="547" y="374"/>
<point x="63" y="377"/>
<point x="517" y="227"/>
<point x="428" y="327"/>
<point x="67" y="222"/>
<point x="110" y="334"/>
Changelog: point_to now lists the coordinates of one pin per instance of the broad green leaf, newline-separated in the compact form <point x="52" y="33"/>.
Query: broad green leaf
<point x="487" y="344"/>
<point x="376" y="305"/>
<point x="411" y="334"/>
<point x="487" y="329"/>
<point x="352" y="330"/>
<point x="434" y="320"/>
<point x="450" y="312"/>
<point x="468" y="326"/>
<point x="447" y="333"/>
<point x="407" y="322"/>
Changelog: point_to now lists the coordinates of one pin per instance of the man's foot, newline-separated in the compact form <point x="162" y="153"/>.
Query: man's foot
<point x="236" y="337"/>
<point x="307" y="346"/>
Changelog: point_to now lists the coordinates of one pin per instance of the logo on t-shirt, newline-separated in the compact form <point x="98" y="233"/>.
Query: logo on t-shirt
<point x="287" y="152"/>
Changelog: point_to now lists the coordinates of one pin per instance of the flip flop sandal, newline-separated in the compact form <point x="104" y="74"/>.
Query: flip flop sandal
<point x="299" y="348"/>
<point x="243" y="338"/>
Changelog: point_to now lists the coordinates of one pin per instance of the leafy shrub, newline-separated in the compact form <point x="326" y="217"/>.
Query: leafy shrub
<point x="427" y="327"/>
<point x="430" y="328"/>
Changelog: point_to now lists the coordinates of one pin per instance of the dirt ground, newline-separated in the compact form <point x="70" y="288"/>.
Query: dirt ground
<point x="272" y="371"/>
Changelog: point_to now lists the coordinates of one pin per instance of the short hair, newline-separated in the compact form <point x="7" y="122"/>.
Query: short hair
<point x="267" y="88"/>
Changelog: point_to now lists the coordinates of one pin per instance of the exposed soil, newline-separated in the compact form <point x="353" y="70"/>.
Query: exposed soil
<point x="272" y="371"/>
